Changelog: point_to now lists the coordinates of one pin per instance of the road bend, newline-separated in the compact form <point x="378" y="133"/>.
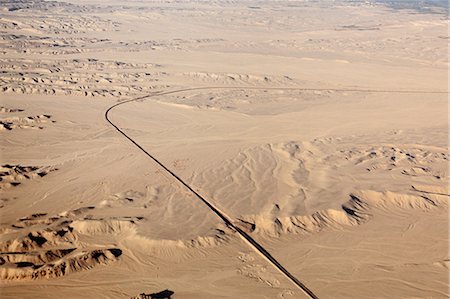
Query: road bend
<point x="257" y="247"/>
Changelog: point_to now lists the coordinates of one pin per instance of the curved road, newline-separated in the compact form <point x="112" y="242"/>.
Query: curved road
<point x="225" y="218"/>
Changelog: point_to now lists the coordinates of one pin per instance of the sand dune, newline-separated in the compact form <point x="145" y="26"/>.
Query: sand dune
<point x="354" y="212"/>
<point x="43" y="246"/>
<point x="14" y="175"/>
<point x="9" y="110"/>
<point x="54" y="263"/>
<point x="230" y="78"/>
<point x="63" y="77"/>
<point x="16" y="122"/>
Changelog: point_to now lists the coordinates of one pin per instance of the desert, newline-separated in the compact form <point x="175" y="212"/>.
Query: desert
<point x="224" y="149"/>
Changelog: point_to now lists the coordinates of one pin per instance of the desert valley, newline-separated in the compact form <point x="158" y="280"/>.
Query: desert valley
<point x="199" y="148"/>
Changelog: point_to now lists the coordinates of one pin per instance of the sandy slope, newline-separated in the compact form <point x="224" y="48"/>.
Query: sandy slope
<point x="326" y="142"/>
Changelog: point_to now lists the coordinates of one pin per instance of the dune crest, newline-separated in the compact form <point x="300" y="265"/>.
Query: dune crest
<point x="54" y="263"/>
<point x="358" y="210"/>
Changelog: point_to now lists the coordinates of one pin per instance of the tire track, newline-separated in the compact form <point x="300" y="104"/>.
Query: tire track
<point x="225" y="218"/>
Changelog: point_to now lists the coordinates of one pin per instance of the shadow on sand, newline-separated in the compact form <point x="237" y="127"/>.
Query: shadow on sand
<point x="166" y="294"/>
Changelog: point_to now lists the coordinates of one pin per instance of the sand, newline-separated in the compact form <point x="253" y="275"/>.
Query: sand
<point x="319" y="130"/>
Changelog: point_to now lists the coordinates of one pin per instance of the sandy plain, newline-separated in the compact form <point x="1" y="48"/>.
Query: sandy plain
<point x="320" y="128"/>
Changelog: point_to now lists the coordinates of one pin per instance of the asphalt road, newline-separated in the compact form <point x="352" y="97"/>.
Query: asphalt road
<point x="225" y="218"/>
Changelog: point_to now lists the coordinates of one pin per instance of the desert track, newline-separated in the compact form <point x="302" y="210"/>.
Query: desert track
<point x="225" y="218"/>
